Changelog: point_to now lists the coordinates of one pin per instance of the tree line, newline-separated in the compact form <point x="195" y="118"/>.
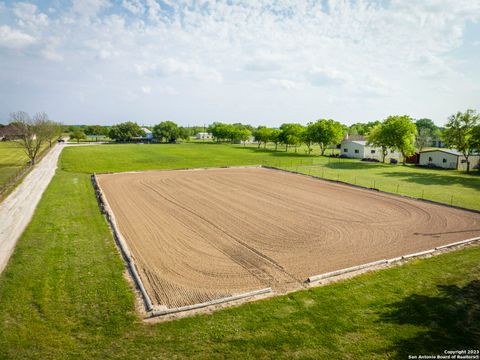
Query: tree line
<point x="395" y="133"/>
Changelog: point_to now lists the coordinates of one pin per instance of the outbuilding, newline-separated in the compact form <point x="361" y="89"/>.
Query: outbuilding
<point x="448" y="159"/>
<point x="357" y="147"/>
<point x="148" y="134"/>
<point x="203" y="136"/>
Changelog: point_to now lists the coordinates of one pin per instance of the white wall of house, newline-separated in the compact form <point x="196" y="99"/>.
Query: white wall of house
<point x="360" y="150"/>
<point x="352" y="149"/>
<point x="447" y="160"/>
<point x="203" y="135"/>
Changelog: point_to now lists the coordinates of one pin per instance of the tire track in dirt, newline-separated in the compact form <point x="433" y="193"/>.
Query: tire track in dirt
<point x="259" y="265"/>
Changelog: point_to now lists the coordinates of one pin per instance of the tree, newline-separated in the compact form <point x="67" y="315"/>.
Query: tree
<point x="78" y="135"/>
<point x="325" y="133"/>
<point x="220" y="131"/>
<point x="32" y="132"/>
<point x="276" y="137"/>
<point x="242" y="134"/>
<point x="263" y="135"/>
<point x="166" y="131"/>
<point x="377" y="137"/>
<point x="96" y="130"/>
<point x="426" y="130"/>
<point x="184" y="133"/>
<point x="362" y="128"/>
<point x="459" y="133"/>
<point x="400" y="132"/>
<point x="308" y="137"/>
<point x="125" y="131"/>
<point x="476" y="140"/>
<point x="291" y="135"/>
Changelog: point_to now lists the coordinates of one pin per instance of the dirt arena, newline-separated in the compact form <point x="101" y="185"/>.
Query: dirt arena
<point x="197" y="235"/>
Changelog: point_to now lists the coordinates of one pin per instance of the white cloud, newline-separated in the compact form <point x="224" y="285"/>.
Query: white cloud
<point x="89" y="8"/>
<point x="28" y="15"/>
<point x="331" y="56"/>
<point x="286" y="84"/>
<point x="134" y="6"/>
<point x="171" y="67"/>
<point x="14" y="39"/>
<point x="154" y="10"/>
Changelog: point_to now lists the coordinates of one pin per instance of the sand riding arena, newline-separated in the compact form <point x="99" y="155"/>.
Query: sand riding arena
<point x="202" y="235"/>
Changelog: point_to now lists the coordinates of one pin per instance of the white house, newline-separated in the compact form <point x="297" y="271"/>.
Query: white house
<point x="358" y="148"/>
<point x="148" y="134"/>
<point x="203" y="136"/>
<point x="447" y="159"/>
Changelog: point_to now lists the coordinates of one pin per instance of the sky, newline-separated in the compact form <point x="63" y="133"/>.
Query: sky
<point x="261" y="62"/>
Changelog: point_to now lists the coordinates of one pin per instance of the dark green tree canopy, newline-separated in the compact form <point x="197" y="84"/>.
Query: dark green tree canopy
<point x="125" y="131"/>
<point x="291" y="134"/>
<point x="166" y="131"/>
<point x="325" y="132"/>
<point x="460" y="133"/>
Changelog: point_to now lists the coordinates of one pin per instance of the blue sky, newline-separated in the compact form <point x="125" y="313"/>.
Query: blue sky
<point x="253" y="61"/>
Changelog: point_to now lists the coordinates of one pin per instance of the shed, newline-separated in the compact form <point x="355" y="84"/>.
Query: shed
<point x="360" y="149"/>
<point x="448" y="159"/>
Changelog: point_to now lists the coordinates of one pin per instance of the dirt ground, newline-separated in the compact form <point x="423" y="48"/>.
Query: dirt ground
<point x="197" y="235"/>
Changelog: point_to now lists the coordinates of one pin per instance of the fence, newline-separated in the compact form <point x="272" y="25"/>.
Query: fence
<point x="344" y="171"/>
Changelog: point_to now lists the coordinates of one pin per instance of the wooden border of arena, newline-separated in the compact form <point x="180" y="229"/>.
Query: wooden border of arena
<point x="106" y="210"/>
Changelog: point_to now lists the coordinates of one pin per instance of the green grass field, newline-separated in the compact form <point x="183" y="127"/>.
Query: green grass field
<point x="446" y="186"/>
<point x="12" y="158"/>
<point x="64" y="294"/>
<point x="13" y="161"/>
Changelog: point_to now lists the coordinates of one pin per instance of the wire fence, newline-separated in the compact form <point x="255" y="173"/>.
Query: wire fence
<point x="332" y="169"/>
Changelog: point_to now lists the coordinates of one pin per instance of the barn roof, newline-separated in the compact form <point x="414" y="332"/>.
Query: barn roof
<point x="359" y="142"/>
<point x="448" y="151"/>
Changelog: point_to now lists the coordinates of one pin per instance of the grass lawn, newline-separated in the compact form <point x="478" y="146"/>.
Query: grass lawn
<point x="12" y="159"/>
<point x="446" y="186"/>
<point x="64" y="294"/>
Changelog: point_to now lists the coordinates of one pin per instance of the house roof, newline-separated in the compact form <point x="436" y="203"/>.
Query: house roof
<point x="353" y="138"/>
<point x="448" y="151"/>
<point x="10" y="130"/>
<point x="359" y="142"/>
<point x="146" y="131"/>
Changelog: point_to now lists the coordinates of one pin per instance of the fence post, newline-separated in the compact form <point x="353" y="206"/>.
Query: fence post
<point x="451" y="201"/>
<point x="423" y="193"/>
<point x="397" y="188"/>
<point x="374" y="184"/>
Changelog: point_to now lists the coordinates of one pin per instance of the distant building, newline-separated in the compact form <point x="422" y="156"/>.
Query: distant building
<point x="447" y="159"/>
<point x="10" y="132"/>
<point x="356" y="146"/>
<point x="148" y="134"/>
<point x="203" y="136"/>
